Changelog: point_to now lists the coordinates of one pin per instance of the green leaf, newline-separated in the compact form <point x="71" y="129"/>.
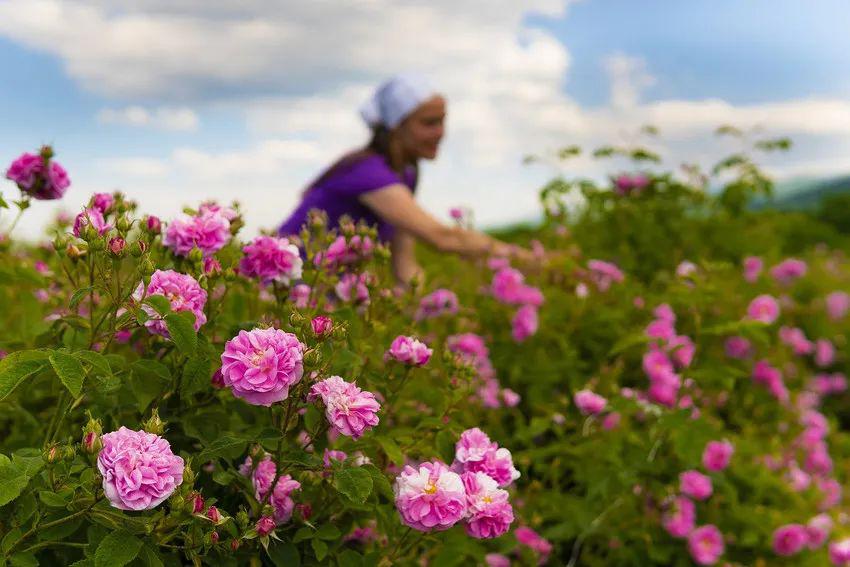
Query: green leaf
<point x="79" y="295"/>
<point x="151" y="368"/>
<point x="12" y="481"/>
<point x="117" y="549"/>
<point x="284" y="555"/>
<point x="350" y="558"/>
<point x="320" y="548"/>
<point x="51" y="499"/>
<point x="196" y="375"/>
<point x="392" y="450"/>
<point x="70" y="372"/>
<point x="379" y="481"/>
<point x="355" y="483"/>
<point x="329" y="532"/>
<point x="445" y="441"/>
<point x="149" y="556"/>
<point x="19" y="366"/>
<point x="223" y="446"/>
<point x="159" y="303"/>
<point x="23" y="560"/>
<point x="96" y="360"/>
<point x="181" y="328"/>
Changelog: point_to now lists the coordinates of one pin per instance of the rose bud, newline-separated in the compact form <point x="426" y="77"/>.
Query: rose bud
<point x="265" y="525"/>
<point x="197" y="503"/>
<point x="153" y="224"/>
<point x="116" y="246"/>
<point x="213" y="514"/>
<point x="322" y="325"/>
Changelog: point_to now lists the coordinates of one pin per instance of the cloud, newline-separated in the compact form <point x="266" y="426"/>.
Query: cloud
<point x="164" y="118"/>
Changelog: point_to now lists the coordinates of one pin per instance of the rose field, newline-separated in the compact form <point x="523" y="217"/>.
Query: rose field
<point x="664" y="385"/>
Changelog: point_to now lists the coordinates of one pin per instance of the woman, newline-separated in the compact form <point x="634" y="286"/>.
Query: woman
<point x="377" y="183"/>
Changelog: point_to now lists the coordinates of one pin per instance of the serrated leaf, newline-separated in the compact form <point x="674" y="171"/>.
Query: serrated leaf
<point x="70" y="372"/>
<point x="159" y="303"/>
<point x="379" y="481"/>
<point x="196" y="375"/>
<point x="226" y="445"/>
<point x="284" y="555"/>
<point x="96" y="360"/>
<point x="328" y="532"/>
<point x="51" y="499"/>
<point x="181" y="329"/>
<point x="117" y="549"/>
<point x="350" y="558"/>
<point x="12" y="481"/>
<point x="392" y="450"/>
<point x="78" y="296"/>
<point x="19" y="366"/>
<point x="355" y="483"/>
<point x="320" y="548"/>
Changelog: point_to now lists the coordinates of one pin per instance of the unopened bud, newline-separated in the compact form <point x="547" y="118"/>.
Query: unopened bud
<point x="217" y="379"/>
<point x="154" y="424"/>
<point x="214" y="537"/>
<point x="138" y="248"/>
<point x="195" y="255"/>
<point x="117" y="245"/>
<point x="153" y="224"/>
<point x="197" y="502"/>
<point x="322" y="325"/>
<point x="234" y="544"/>
<point x="52" y="454"/>
<point x="123" y="224"/>
<point x="212" y="266"/>
<point x="213" y="514"/>
<point x="46" y="152"/>
<point x="265" y="526"/>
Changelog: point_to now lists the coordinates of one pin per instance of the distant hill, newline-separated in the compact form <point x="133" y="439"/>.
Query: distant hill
<point x="797" y="194"/>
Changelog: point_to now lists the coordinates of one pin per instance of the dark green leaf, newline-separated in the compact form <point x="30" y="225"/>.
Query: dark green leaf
<point x="70" y="372"/>
<point x="223" y="446"/>
<point x="284" y="555"/>
<point x="51" y="499"/>
<point x="19" y="366"/>
<point x="392" y="450"/>
<point x="117" y="549"/>
<point x="196" y="375"/>
<point x="350" y="558"/>
<point x="159" y="303"/>
<point x="355" y="483"/>
<point x="12" y="480"/>
<point x="320" y="548"/>
<point x="329" y="532"/>
<point x="181" y="328"/>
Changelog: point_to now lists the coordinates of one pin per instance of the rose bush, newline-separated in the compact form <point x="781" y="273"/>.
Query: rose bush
<point x="667" y="386"/>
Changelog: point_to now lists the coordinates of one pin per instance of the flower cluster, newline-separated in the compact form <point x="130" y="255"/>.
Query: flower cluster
<point x="38" y="175"/>
<point x="437" y="303"/>
<point x="668" y="353"/>
<point x="209" y="231"/>
<point x="271" y="259"/>
<point x="350" y="410"/>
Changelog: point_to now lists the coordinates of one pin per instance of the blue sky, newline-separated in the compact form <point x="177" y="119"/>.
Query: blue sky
<point x="217" y="85"/>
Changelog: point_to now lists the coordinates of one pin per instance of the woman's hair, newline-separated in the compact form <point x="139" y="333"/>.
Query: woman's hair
<point x="378" y="145"/>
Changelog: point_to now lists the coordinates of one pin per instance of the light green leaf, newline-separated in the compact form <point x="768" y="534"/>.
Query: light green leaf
<point x="70" y="372"/>
<point x="355" y="483"/>
<point x="117" y="549"/>
<point x="181" y="328"/>
<point x="19" y="366"/>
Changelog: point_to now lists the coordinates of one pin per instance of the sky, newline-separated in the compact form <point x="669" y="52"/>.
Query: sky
<point x="177" y="102"/>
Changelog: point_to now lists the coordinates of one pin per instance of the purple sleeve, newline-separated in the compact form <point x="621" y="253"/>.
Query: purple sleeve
<point x="366" y="175"/>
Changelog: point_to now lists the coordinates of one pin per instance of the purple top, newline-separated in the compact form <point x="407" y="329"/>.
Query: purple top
<point x="339" y="194"/>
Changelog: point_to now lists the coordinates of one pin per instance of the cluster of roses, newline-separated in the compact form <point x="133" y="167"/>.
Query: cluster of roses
<point x="472" y="350"/>
<point x="627" y="184"/>
<point x="434" y="496"/>
<point x="39" y="175"/>
<point x="509" y="287"/>
<point x="600" y="274"/>
<point x="705" y="543"/>
<point x="668" y="353"/>
<point x="436" y="304"/>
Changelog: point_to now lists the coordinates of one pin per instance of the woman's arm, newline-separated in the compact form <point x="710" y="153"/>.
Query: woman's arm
<point x="396" y="205"/>
<point x="405" y="266"/>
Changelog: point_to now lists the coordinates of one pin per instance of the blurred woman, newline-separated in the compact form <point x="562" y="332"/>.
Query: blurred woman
<point x="377" y="183"/>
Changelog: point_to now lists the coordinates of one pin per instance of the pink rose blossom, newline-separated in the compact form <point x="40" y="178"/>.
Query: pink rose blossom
<point x="524" y="324"/>
<point x="489" y="514"/>
<point x="321" y="325"/>
<point x="430" y="497"/>
<point x="832" y="491"/>
<point x="837" y="304"/>
<point x="271" y="259"/>
<point x="817" y="530"/>
<point x="796" y="339"/>
<point x="680" y="519"/>
<point x="32" y="176"/>
<point x="789" y="539"/>
<point x="498" y="464"/>
<point x="354" y="288"/>
<point x="695" y="484"/>
<point x="25" y="171"/>
<point x="705" y="545"/>
<point x="531" y="539"/>
<point x="261" y="365"/>
<point x="717" y="455"/>
<point x="209" y="231"/>
<point x="662" y="329"/>
<point x="839" y="552"/>
<point x="682" y="350"/>
<point x="497" y="560"/>
<point x="93" y="218"/>
<point x="788" y="270"/>
<point x="409" y="351"/>
<point x="102" y="201"/>
<point x="350" y="410"/>
<point x="153" y="224"/>
<point x="472" y="446"/>
<point x="265" y="526"/>
<point x="752" y="268"/>
<point x="183" y="293"/>
<point x="611" y="421"/>
<point x="626" y="184"/>
<point x="738" y="347"/>
<point x="509" y="287"/>
<point x="138" y="468"/>
<point x="280" y="498"/>
<point x="300" y="295"/>
<point x="437" y="303"/>
<point x="510" y="397"/>
<point x="211" y="207"/>
<point x="589" y="403"/>
<point x="330" y="455"/>
<point x="686" y="269"/>
<point x="603" y="274"/>
<point x="824" y="353"/>
<point x="763" y="308"/>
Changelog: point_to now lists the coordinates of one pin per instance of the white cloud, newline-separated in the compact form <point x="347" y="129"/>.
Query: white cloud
<point x="297" y="71"/>
<point x="164" y="118"/>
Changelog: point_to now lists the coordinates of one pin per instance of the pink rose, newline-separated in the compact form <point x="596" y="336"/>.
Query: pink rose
<point x="789" y="539"/>
<point x="437" y="303"/>
<point x="752" y="268"/>
<point x="430" y="498"/>
<point x="738" y="347"/>
<point x="589" y="403"/>
<point x="271" y="259"/>
<point x="788" y="270"/>
<point x="839" y="552"/>
<point x="531" y="539"/>
<point x="321" y="325"/>
<point x="489" y="514"/>
<point x="837" y="304"/>
<point x="695" y="484"/>
<point x="763" y="308"/>
<point x="261" y="365"/>
<point x="209" y="231"/>
<point x="184" y="294"/>
<point x="717" y="455"/>
<point x="705" y="545"/>
<point x="603" y="274"/>
<point x="350" y="410"/>
<point x="93" y="218"/>
<point x="679" y="520"/>
<point x="408" y="350"/>
<point x="524" y="324"/>
<point x="817" y="530"/>
<point x="138" y="468"/>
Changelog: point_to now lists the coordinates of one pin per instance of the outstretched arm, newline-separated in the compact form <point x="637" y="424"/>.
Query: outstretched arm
<point x="405" y="266"/>
<point x="396" y="205"/>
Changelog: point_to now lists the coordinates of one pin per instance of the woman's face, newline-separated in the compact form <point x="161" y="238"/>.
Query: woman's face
<point x="421" y="132"/>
